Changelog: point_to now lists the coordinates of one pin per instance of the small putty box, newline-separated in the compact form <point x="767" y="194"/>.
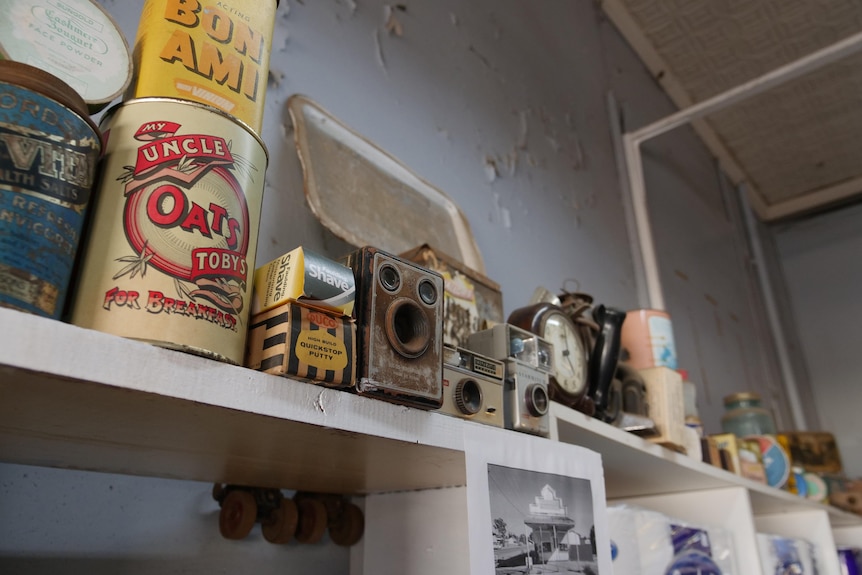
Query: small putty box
<point x="299" y="341"/>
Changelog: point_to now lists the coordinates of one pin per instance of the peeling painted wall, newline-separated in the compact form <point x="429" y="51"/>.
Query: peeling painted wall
<point x="502" y="105"/>
<point x="820" y="258"/>
<point x="720" y="332"/>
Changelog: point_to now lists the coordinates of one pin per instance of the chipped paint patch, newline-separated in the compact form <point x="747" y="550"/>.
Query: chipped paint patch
<point x="275" y="78"/>
<point x="523" y="118"/>
<point x="501" y="213"/>
<point x="490" y="166"/>
<point x="378" y="50"/>
<point x="481" y="57"/>
<point x="391" y="23"/>
<point x="318" y="403"/>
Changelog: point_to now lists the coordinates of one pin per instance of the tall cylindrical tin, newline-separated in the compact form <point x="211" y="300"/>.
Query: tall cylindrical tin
<point x="49" y="149"/>
<point x="75" y="40"/>
<point x="647" y="334"/>
<point x="170" y="253"/>
<point x="208" y="51"/>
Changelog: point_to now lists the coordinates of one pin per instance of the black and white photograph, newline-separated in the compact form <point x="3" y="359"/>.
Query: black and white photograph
<point x="541" y="522"/>
<point x="535" y="506"/>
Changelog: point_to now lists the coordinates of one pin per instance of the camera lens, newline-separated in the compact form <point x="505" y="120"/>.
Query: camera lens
<point x="537" y="400"/>
<point x="428" y="292"/>
<point x="468" y="397"/>
<point x="407" y="328"/>
<point x="390" y="279"/>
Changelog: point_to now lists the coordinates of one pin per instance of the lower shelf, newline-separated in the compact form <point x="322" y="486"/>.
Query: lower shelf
<point x="635" y="467"/>
<point x="76" y="398"/>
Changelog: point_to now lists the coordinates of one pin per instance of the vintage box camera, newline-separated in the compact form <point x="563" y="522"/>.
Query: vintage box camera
<point x="399" y="317"/>
<point x="472" y="386"/>
<point x="529" y="361"/>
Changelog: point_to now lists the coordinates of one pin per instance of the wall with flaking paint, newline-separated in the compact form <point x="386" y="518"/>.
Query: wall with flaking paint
<point x="820" y="258"/>
<point x="503" y="106"/>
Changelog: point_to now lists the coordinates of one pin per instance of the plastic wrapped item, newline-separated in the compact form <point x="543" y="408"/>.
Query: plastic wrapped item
<point x="848" y="560"/>
<point x="645" y="542"/>
<point x="784" y="555"/>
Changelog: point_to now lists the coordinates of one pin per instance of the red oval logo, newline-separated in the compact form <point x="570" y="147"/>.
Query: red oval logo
<point x="322" y="320"/>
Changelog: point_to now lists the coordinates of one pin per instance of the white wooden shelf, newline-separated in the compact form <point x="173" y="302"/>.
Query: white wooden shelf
<point x="634" y="467"/>
<point x="77" y="398"/>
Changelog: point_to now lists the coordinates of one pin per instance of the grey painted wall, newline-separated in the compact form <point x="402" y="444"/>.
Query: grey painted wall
<point x="466" y="82"/>
<point x="60" y="521"/>
<point x="821" y="261"/>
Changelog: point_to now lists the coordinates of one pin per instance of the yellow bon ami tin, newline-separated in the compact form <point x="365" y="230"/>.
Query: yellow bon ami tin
<point x="209" y="51"/>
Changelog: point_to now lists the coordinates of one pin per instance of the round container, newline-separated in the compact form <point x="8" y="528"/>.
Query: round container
<point x="170" y="254"/>
<point x="75" y="40"/>
<point x="744" y="416"/>
<point x="49" y="149"/>
<point x="647" y="334"/>
<point x="776" y="461"/>
<point x="815" y="487"/>
<point x="208" y="51"/>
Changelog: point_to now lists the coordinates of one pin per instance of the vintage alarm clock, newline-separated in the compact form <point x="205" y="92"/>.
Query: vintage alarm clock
<point x="569" y="381"/>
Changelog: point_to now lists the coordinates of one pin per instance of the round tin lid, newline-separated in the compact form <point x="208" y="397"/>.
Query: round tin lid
<point x="40" y="81"/>
<point x="48" y="85"/>
<point x="75" y="40"/>
<point x="741" y="396"/>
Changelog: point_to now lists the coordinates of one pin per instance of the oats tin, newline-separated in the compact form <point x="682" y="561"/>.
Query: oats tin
<point x="49" y="149"/>
<point x="211" y="51"/>
<point x="170" y="254"/>
<point x="75" y="40"/>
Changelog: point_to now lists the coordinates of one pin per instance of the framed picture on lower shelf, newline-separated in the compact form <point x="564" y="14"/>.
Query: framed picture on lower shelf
<point x="534" y="505"/>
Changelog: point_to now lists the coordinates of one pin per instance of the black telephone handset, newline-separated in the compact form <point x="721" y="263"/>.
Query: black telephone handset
<point x="603" y="361"/>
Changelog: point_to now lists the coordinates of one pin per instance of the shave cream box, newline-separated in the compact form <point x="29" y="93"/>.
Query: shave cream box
<point x="307" y="278"/>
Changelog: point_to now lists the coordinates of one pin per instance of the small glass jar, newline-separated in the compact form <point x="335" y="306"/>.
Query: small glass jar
<point x="744" y="416"/>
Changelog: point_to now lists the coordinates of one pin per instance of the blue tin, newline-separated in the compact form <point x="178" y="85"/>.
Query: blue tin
<point x="49" y="149"/>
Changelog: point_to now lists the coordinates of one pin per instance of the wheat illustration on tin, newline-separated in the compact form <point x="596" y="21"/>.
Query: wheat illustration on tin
<point x="135" y="264"/>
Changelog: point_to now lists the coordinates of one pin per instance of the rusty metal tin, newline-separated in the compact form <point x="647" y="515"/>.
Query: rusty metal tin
<point x="75" y="40"/>
<point x="171" y="249"/>
<point x="208" y="51"/>
<point x="49" y="148"/>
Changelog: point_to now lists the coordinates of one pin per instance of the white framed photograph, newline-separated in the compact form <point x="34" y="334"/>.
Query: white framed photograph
<point x="534" y="505"/>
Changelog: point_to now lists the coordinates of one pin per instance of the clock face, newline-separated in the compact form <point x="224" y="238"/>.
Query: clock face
<point x="570" y="359"/>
